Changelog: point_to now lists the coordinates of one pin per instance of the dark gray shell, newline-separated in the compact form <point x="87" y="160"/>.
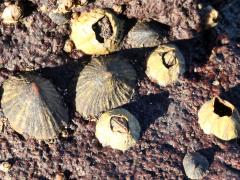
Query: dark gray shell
<point x="144" y="34"/>
<point x="33" y="107"/>
<point x="105" y="83"/>
<point x="195" y="165"/>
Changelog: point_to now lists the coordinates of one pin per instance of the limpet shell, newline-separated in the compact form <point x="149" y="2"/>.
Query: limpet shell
<point x="144" y="34"/>
<point x="165" y="64"/>
<point x="33" y="107"/>
<point x="86" y="38"/>
<point x="59" y="18"/>
<point x="220" y="118"/>
<point x="105" y="83"/>
<point x="118" y="129"/>
<point x="195" y="165"/>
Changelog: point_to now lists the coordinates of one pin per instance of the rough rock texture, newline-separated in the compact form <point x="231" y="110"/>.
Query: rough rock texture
<point x="168" y="116"/>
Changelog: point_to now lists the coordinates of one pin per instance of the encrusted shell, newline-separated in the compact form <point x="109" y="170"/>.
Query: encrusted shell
<point x="195" y="165"/>
<point x="220" y="118"/>
<point x="33" y="107"/>
<point x="165" y="64"/>
<point x="85" y="38"/>
<point x="144" y="34"/>
<point x="105" y="83"/>
<point x="118" y="128"/>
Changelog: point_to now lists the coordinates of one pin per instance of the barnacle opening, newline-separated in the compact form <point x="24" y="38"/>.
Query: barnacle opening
<point x="119" y="124"/>
<point x="103" y="29"/>
<point x="169" y="59"/>
<point x="221" y="109"/>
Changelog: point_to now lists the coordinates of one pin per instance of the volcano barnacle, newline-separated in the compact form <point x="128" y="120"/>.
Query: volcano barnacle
<point x="96" y="32"/>
<point x="220" y="118"/>
<point x="33" y="107"/>
<point x="105" y="83"/>
<point x="12" y="13"/>
<point x="118" y="128"/>
<point x="165" y="64"/>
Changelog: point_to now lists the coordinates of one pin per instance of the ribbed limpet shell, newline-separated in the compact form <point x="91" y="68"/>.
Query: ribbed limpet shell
<point x="165" y="64"/>
<point x="118" y="128"/>
<point x="85" y="36"/>
<point x="105" y="83"/>
<point x="33" y="107"/>
<point x="144" y="34"/>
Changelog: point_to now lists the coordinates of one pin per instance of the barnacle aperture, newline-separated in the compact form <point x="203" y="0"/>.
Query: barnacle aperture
<point x="165" y="64"/>
<point x="220" y="118"/>
<point x="96" y="32"/>
<point x="118" y="128"/>
<point x="144" y="34"/>
<point x="103" y="84"/>
<point x="12" y="13"/>
<point x="195" y="165"/>
<point x="33" y="107"/>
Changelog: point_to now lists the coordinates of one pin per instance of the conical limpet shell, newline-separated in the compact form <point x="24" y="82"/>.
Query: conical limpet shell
<point x="33" y="107"/>
<point x="165" y="64"/>
<point x="118" y="128"/>
<point x="220" y="118"/>
<point x="195" y="165"/>
<point x="105" y="83"/>
<point x="144" y="35"/>
<point x="86" y="36"/>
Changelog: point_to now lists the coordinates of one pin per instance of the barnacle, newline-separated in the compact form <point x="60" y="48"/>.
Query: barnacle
<point x="165" y="64"/>
<point x="64" y="6"/>
<point x="211" y="17"/>
<point x="5" y="166"/>
<point x="68" y="46"/>
<point x="220" y="118"/>
<point x="144" y="34"/>
<point x="105" y="83"/>
<point x="96" y="32"/>
<point x="118" y="128"/>
<point x="12" y="13"/>
<point x="195" y="165"/>
<point x="33" y="107"/>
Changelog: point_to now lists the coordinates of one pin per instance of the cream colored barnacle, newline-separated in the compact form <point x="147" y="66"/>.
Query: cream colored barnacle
<point x="118" y="129"/>
<point x="93" y="38"/>
<point x="211" y="17"/>
<point x="64" y="6"/>
<point x="11" y="14"/>
<point x="165" y="64"/>
<point x="220" y="118"/>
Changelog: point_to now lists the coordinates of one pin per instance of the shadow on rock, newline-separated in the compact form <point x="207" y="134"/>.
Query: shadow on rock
<point x="233" y="96"/>
<point x="148" y="108"/>
<point x="209" y="153"/>
<point x="65" y="79"/>
<point x="197" y="51"/>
